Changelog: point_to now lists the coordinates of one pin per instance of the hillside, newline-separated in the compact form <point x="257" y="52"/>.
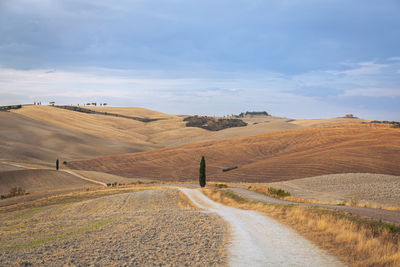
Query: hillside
<point x="23" y="139"/>
<point x="39" y="180"/>
<point x="268" y="157"/>
<point x="170" y="130"/>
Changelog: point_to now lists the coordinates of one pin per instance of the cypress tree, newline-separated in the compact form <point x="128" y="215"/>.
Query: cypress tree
<point x="57" y="165"/>
<point x="202" y="176"/>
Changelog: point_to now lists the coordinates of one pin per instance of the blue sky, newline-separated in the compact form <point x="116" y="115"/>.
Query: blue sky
<point x="293" y="58"/>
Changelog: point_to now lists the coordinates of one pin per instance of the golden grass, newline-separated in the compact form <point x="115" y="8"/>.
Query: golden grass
<point x="355" y="242"/>
<point x="188" y="204"/>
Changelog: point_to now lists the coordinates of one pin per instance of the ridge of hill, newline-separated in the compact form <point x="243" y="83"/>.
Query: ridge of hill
<point x="346" y="148"/>
<point x="169" y="130"/>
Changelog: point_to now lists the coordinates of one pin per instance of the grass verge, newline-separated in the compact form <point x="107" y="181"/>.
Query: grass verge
<point x="349" y="201"/>
<point x="355" y="241"/>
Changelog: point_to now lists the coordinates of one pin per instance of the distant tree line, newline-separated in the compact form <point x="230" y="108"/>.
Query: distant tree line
<point x="5" y="108"/>
<point x="90" y="111"/>
<point x="395" y="124"/>
<point x="212" y="124"/>
<point x="253" y="113"/>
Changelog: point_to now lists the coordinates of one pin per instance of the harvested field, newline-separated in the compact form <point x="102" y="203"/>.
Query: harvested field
<point x="39" y="180"/>
<point x="368" y="188"/>
<point x="142" y="228"/>
<point x="6" y="167"/>
<point x="287" y="155"/>
<point x="111" y="178"/>
<point x="23" y="139"/>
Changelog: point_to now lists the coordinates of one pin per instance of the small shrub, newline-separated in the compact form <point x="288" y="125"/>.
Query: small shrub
<point x="229" y="169"/>
<point x="355" y="200"/>
<point x="14" y="191"/>
<point x="278" y="192"/>
<point x="65" y="163"/>
<point x="221" y="185"/>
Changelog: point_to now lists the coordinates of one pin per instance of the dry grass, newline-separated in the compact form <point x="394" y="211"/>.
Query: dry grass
<point x="351" y="201"/>
<point x="348" y="148"/>
<point x="354" y="241"/>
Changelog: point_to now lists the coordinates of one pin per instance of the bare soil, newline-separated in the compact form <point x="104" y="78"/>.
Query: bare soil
<point x="154" y="227"/>
<point x="378" y="189"/>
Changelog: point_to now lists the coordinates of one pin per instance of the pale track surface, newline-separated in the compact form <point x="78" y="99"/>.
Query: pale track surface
<point x="146" y="228"/>
<point x="261" y="241"/>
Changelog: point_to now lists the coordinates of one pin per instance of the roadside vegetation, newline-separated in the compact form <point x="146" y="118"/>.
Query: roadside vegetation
<point x="353" y="201"/>
<point x="355" y="241"/>
<point x="270" y="191"/>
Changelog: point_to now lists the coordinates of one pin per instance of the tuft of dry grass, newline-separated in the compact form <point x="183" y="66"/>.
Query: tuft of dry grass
<point x="356" y="242"/>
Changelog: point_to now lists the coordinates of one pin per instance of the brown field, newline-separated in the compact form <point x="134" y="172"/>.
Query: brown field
<point x="39" y="180"/>
<point x="348" y="148"/>
<point x="359" y="188"/>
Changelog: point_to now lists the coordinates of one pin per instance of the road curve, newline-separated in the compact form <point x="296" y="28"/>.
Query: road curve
<point x="261" y="241"/>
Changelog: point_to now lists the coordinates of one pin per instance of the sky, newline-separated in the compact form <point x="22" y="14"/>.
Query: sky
<point x="291" y="58"/>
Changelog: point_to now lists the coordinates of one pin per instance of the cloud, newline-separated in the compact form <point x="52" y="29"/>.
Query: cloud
<point x="317" y="93"/>
<point x="394" y="59"/>
<point x="359" y="69"/>
<point x="373" y="92"/>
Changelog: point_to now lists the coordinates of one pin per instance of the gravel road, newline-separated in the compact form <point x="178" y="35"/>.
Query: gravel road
<point x="155" y="227"/>
<point x="261" y="241"/>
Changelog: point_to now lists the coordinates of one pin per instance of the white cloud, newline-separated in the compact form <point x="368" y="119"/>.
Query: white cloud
<point x="213" y="93"/>
<point x="373" y="92"/>
<point x="359" y="69"/>
<point x="394" y="59"/>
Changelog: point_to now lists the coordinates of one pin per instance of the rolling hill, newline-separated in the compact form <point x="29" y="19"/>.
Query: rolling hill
<point x="39" y="180"/>
<point x="23" y="139"/>
<point x="267" y="157"/>
<point x="168" y="130"/>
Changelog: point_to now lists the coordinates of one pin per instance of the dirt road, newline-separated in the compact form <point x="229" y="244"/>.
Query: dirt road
<point x="388" y="216"/>
<point x="260" y="241"/>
